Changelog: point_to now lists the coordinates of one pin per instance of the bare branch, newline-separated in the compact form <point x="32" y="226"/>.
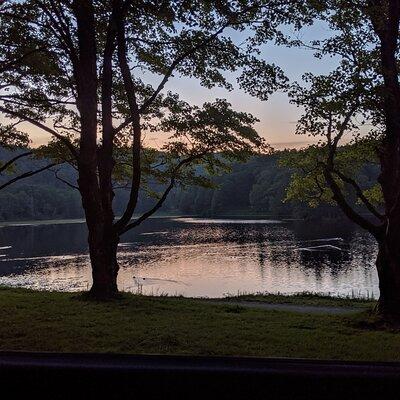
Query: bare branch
<point x="13" y="160"/>
<point x="63" y="180"/>
<point x="27" y="175"/>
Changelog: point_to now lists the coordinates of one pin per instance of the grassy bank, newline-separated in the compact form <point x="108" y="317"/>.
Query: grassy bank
<point x="306" y="298"/>
<point x="63" y="322"/>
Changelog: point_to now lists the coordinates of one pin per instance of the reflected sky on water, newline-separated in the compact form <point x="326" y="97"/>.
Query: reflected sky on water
<point x="199" y="257"/>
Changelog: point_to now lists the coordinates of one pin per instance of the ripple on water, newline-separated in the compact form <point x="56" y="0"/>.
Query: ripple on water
<point x="212" y="257"/>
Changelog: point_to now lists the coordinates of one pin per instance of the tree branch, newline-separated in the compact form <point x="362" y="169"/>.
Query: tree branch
<point x="27" y="175"/>
<point x="345" y="206"/>
<point x="135" y="119"/>
<point x="23" y="117"/>
<point x="360" y="194"/>
<point x="333" y="143"/>
<point x="170" y="71"/>
<point x="37" y="100"/>
<point x="149" y="213"/>
<point x="13" y="160"/>
<point x="164" y="196"/>
<point x="60" y="30"/>
<point x="6" y="66"/>
<point x="64" y="181"/>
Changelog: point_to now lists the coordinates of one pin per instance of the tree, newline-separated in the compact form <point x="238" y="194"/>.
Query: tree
<point x="355" y="111"/>
<point x="89" y="93"/>
<point x="10" y="137"/>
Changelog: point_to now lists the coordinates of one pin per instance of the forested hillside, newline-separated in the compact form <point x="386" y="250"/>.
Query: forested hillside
<point x="254" y="188"/>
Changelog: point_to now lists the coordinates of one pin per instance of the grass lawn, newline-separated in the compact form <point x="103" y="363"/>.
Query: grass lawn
<point x="64" y="322"/>
<point x="305" y="298"/>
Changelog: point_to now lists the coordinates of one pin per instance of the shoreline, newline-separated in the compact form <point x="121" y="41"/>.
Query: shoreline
<point x="313" y="299"/>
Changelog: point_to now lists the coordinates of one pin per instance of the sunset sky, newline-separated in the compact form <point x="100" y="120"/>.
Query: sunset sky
<point x="277" y="117"/>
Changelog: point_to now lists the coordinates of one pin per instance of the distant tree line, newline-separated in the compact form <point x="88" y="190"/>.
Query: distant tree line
<point x="257" y="187"/>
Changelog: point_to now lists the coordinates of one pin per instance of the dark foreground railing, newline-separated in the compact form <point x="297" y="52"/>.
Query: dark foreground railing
<point x="71" y="376"/>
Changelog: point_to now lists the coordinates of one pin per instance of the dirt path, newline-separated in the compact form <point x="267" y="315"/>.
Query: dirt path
<point x="288" y="307"/>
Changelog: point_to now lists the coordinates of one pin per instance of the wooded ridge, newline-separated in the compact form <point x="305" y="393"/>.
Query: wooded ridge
<point x="256" y="187"/>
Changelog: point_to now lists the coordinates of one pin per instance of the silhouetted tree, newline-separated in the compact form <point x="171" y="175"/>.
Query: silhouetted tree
<point x="92" y="96"/>
<point x="340" y="109"/>
<point x="11" y="58"/>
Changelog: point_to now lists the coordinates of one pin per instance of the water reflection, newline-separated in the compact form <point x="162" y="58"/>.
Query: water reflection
<point x="198" y="257"/>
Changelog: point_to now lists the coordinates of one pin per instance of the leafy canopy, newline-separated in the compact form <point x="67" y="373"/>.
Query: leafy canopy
<point x="203" y="40"/>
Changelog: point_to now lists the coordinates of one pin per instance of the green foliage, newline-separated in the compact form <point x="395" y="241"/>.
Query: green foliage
<point x="342" y="110"/>
<point x="307" y="183"/>
<point x="374" y="195"/>
<point x="203" y="142"/>
<point x="309" y="189"/>
<point x="11" y="138"/>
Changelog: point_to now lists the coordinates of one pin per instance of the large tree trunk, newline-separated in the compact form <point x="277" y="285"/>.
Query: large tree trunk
<point x="388" y="266"/>
<point x="103" y="246"/>
<point x="94" y="166"/>
<point x="102" y="238"/>
<point x="388" y="261"/>
<point x="385" y="19"/>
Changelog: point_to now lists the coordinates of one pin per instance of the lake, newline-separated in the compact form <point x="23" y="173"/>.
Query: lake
<point x="198" y="257"/>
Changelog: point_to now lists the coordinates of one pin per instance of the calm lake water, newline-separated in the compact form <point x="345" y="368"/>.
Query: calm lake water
<point x="198" y="257"/>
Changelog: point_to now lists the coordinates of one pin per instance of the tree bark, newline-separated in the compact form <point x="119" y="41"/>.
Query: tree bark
<point x="103" y="257"/>
<point x="388" y="266"/>
<point x="95" y="166"/>
<point x="385" y="19"/>
<point x="388" y="261"/>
